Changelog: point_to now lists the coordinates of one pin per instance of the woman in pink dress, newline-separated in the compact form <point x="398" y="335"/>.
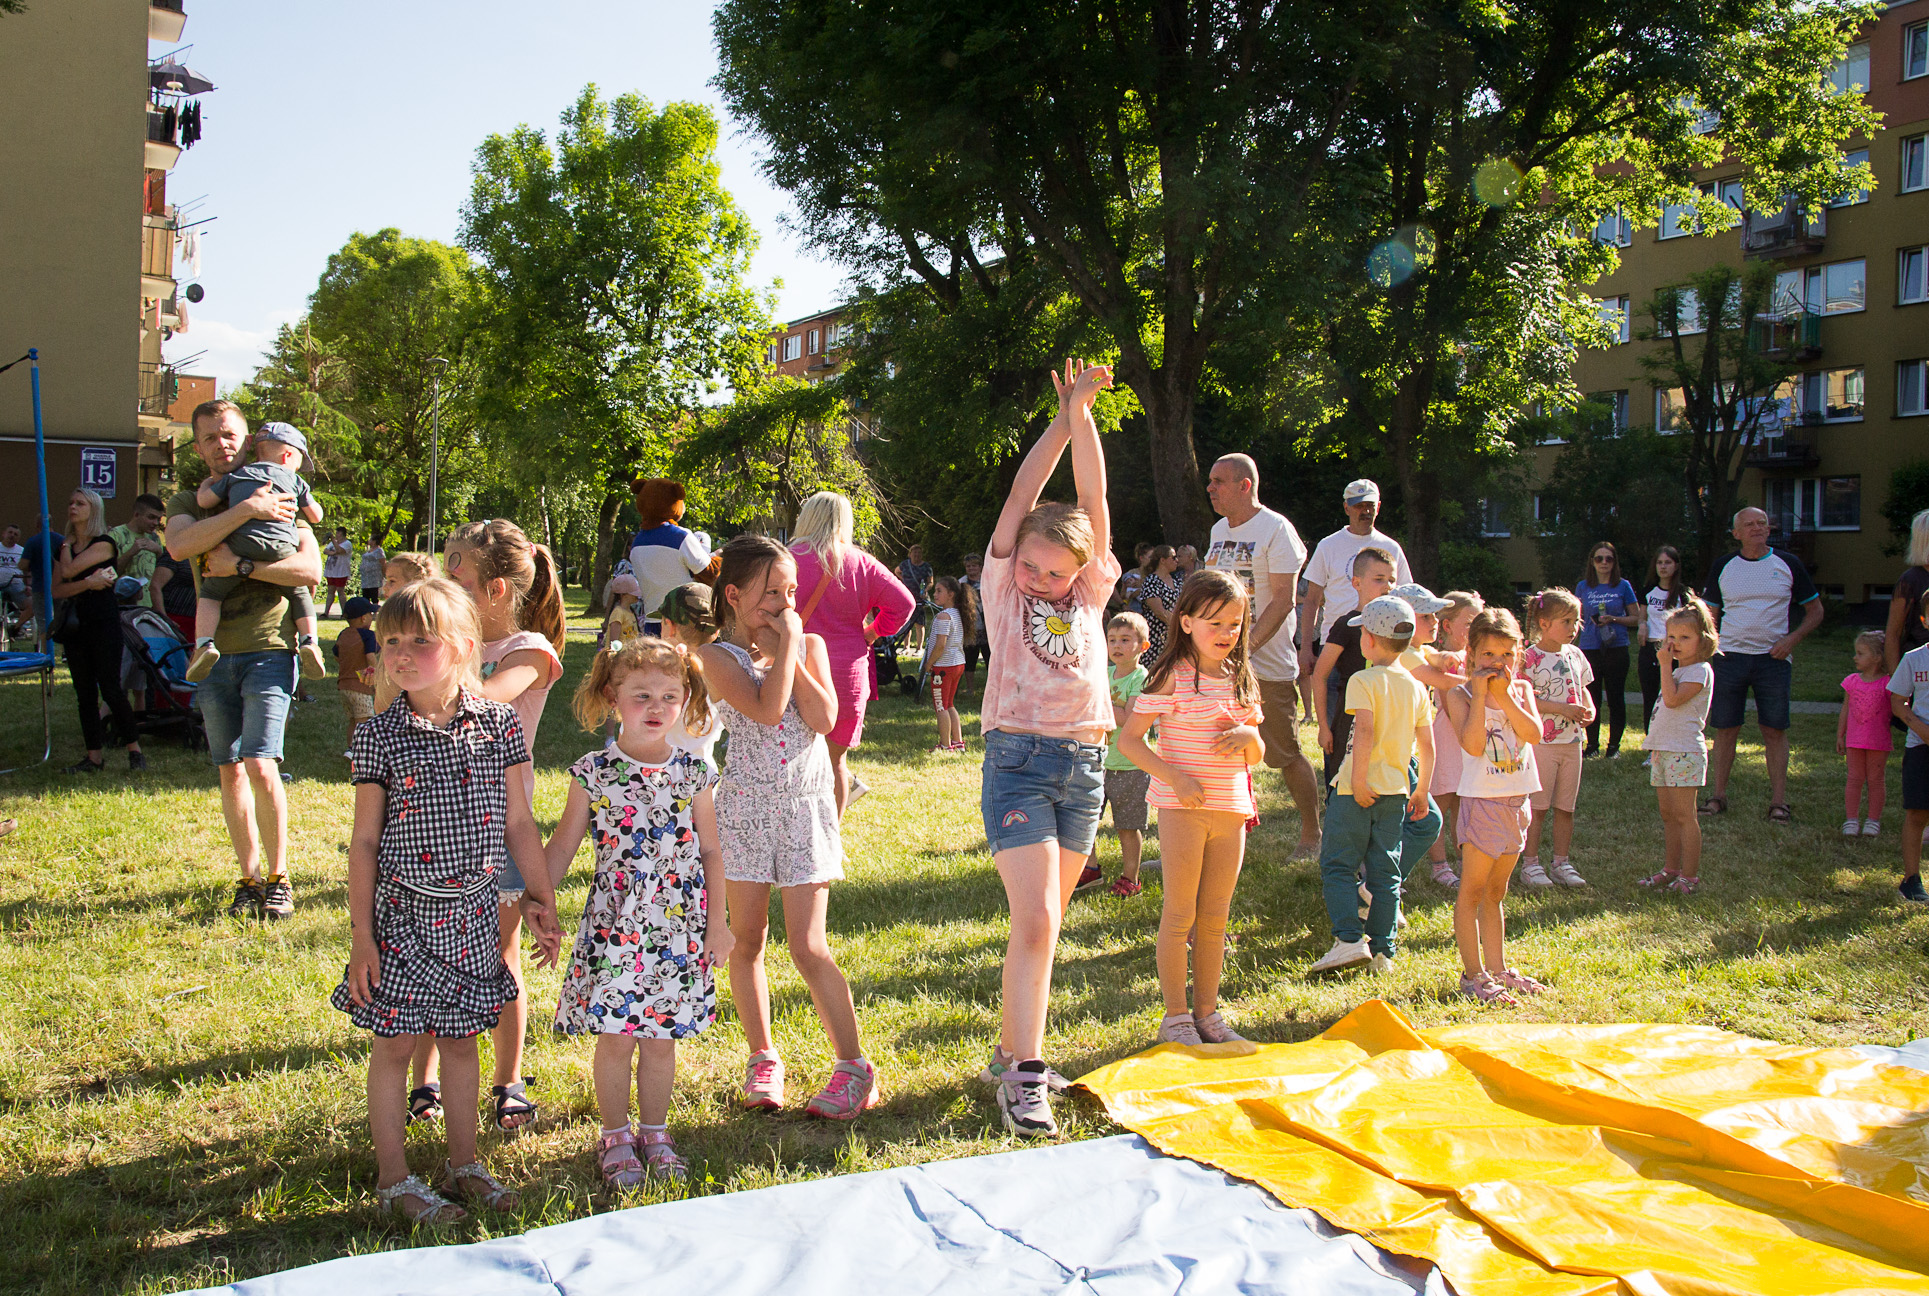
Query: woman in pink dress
<point x="862" y="602"/>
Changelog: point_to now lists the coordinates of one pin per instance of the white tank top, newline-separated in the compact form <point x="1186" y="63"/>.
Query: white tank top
<point x="1505" y="766"/>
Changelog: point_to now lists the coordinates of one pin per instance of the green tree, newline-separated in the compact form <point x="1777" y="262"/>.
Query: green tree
<point x="752" y="463"/>
<point x="615" y="263"/>
<point x="1622" y="485"/>
<point x="1908" y="496"/>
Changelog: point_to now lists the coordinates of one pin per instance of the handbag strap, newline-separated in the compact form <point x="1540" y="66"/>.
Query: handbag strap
<point x="824" y="583"/>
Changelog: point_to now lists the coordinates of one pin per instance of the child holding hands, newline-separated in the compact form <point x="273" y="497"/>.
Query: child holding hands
<point x="1204" y="697"/>
<point x="437" y="799"/>
<point x="1678" y="761"/>
<point x="1560" y="675"/>
<point x="643" y="973"/>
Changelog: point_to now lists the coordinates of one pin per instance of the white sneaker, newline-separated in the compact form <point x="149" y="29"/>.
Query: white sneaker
<point x="1343" y="955"/>
<point x="1565" y="875"/>
<point x="1533" y="875"/>
<point x="1851" y="827"/>
<point x="1871" y="828"/>
<point x="1380" y="963"/>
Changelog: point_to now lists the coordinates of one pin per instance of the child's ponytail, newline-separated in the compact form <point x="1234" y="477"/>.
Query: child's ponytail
<point x="618" y="659"/>
<point x="502" y="551"/>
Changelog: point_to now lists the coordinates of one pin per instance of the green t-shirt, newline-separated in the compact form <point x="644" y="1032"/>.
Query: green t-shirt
<point x="251" y="614"/>
<point x="142" y="563"/>
<point x="1124" y="689"/>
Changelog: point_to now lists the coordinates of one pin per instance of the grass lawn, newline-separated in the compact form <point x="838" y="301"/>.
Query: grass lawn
<point x="179" y="1106"/>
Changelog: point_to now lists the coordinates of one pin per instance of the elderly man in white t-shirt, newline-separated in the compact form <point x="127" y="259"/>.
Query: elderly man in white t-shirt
<point x="1329" y="575"/>
<point x="1264" y="551"/>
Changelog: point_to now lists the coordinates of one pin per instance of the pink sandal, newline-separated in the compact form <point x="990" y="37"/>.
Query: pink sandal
<point x="616" y="1154"/>
<point x="1485" y="989"/>
<point x="659" y="1154"/>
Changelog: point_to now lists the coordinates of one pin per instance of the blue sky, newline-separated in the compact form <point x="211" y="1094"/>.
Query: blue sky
<point x="354" y="115"/>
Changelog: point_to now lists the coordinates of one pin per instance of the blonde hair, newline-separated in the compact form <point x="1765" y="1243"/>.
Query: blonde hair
<point x="1492" y="623"/>
<point x="438" y="609"/>
<point x="619" y="661"/>
<point x="1696" y="613"/>
<point x="1874" y="639"/>
<point x="419" y="566"/>
<point x="826" y="527"/>
<point x="96" y="518"/>
<point x="1459" y="601"/>
<point x="1205" y="592"/>
<point x="1550" y="604"/>
<point x="1065" y="525"/>
<point x="1919" y="540"/>
<point x="503" y="552"/>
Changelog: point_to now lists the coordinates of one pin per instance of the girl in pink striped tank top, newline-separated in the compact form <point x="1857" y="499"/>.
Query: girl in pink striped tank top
<point x="1202" y="695"/>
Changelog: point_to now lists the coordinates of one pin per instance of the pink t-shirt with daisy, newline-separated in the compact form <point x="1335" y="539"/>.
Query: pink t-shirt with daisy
<point x="1047" y="673"/>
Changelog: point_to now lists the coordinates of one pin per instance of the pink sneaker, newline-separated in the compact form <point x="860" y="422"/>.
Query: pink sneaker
<point x="763" y="1081"/>
<point x="851" y="1089"/>
<point x="1519" y="982"/>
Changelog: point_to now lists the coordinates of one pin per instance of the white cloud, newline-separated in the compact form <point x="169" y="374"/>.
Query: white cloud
<point x="230" y="353"/>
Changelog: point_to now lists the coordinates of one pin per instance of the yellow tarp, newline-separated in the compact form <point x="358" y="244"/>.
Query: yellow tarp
<point x="1556" y="1160"/>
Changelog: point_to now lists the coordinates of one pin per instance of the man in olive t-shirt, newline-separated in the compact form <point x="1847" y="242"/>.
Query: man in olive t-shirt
<point x="244" y="700"/>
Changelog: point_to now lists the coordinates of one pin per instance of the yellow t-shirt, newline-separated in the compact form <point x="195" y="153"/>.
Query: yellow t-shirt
<point x="1400" y="706"/>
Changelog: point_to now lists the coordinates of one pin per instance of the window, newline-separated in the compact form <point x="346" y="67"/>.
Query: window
<point x="1850" y="74"/>
<point x="1729" y="191"/>
<point x="1616" y="404"/>
<point x="1834" y="395"/>
<point x="1705" y="120"/>
<point x="1911" y="395"/>
<point x="1493" y="519"/>
<point x="1614" y="311"/>
<point x="1912" y="275"/>
<point x="1614" y="228"/>
<point x="1688" y="312"/>
<point x="1670" y="410"/>
<point x="1813" y="504"/>
<point x="1853" y="158"/>
<point x="816" y="340"/>
<point x="1837" y="289"/>
<point x="1915" y="163"/>
<point x="1915" y="50"/>
<point x="1546" y="513"/>
<point x="793" y="346"/>
<point x="1678" y="219"/>
<point x="770" y="353"/>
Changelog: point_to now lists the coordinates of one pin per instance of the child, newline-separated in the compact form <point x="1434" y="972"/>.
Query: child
<point x="1204" y="696"/>
<point x="1679" y="763"/>
<point x="1340" y="659"/>
<point x="1046" y="713"/>
<point x="620" y="624"/>
<point x="1909" y="703"/>
<point x="279" y="449"/>
<point x="642" y="975"/>
<point x="1495" y="728"/>
<point x="356" y="653"/>
<point x="1560" y="675"/>
<point x="1376" y="791"/>
<point x="1462" y="608"/>
<point x="405" y="569"/>
<point x="1126" y="637"/>
<point x="689" y="623"/>
<point x="947" y="660"/>
<point x="777" y="813"/>
<point x="1862" y="734"/>
<point x="520" y="610"/>
<point x="437" y="798"/>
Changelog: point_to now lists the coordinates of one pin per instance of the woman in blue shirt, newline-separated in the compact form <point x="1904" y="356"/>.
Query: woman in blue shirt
<point x="1609" y="609"/>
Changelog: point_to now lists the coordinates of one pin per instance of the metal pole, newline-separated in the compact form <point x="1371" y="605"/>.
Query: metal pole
<point x="44" y="578"/>
<point x="435" y="457"/>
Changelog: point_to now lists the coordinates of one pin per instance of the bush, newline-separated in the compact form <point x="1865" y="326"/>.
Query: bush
<point x="1471" y="565"/>
<point x="1908" y="496"/>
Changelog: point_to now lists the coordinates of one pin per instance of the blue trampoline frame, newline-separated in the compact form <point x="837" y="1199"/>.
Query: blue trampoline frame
<point x="41" y="661"/>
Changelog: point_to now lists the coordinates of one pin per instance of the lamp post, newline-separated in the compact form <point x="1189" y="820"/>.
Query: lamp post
<point x="435" y="448"/>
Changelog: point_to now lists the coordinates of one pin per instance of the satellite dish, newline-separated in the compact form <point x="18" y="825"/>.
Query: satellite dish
<point x="194" y="292"/>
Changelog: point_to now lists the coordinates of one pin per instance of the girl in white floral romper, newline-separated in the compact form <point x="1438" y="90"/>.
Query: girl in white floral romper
<point x="777" y="814"/>
<point x="642" y="975"/>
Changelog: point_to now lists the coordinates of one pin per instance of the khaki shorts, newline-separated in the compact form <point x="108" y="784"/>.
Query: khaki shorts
<point x="1279" y="721"/>
<point x="358" y="706"/>
<point x="1560" y="769"/>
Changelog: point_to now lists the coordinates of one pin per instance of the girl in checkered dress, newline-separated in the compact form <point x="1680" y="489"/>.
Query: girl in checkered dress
<point x="433" y="816"/>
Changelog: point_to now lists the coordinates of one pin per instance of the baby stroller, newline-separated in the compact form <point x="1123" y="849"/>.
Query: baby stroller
<point x="157" y="661"/>
<point x="885" y="653"/>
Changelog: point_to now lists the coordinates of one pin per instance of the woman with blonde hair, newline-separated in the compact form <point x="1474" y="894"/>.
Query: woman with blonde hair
<point x="1906" y="629"/>
<point x="849" y="599"/>
<point x="84" y="572"/>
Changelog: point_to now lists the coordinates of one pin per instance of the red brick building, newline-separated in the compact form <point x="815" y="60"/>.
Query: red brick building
<point x="809" y="348"/>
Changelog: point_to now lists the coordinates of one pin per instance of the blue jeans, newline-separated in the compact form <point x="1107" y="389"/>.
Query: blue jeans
<point x="1039" y="789"/>
<point x="1381" y="838"/>
<point x="245" y="701"/>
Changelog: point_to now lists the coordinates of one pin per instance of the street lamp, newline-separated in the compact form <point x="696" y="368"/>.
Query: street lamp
<point x="435" y="448"/>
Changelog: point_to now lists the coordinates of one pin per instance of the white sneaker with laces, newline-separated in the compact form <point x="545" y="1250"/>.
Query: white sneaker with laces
<point x="1851" y="827"/>
<point x="1380" y="963"/>
<point x="1565" y="875"/>
<point x="1533" y="875"/>
<point x="1871" y="827"/>
<point x="1343" y="955"/>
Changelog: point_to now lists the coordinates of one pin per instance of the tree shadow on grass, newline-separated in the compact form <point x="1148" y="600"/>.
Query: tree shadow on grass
<point x="190" y="904"/>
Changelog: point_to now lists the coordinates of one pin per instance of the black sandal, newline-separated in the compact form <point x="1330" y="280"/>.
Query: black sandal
<point x="1779" y="813"/>
<point x="425" y="1103"/>
<point x="1714" y="805"/>
<point x="513" y="1107"/>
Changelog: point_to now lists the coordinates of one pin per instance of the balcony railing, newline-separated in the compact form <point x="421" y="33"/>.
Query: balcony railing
<point x="1788" y="232"/>
<point x="158" y="389"/>
<point x="1782" y="452"/>
<point x="1796" y="335"/>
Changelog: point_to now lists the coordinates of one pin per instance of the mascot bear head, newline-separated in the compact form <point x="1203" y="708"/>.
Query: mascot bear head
<point x="659" y="501"/>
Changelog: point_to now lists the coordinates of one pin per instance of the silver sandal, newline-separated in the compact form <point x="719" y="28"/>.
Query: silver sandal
<point x="659" y="1155"/>
<point x="435" y="1210"/>
<point x="474" y="1183"/>
<point x="624" y="1169"/>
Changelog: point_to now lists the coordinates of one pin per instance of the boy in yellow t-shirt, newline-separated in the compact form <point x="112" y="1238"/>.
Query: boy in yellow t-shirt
<point x="1379" y="790"/>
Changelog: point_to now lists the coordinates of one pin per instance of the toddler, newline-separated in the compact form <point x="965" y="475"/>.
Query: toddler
<point x="1678" y="750"/>
<point x="1909" y="703"/>
<point x="1127" y="637"/>
<point x="1862" y="735"/>
<point x="954" y="601"/>
<point x="688" y="623"/>
<point x="356" y="654"/>
<point x="620" y="624"/>
<point x="643" y="972"/>
<point x="1560" y="675"/>
<point x="279" y="449"/>
<point x="1205" y="699"/>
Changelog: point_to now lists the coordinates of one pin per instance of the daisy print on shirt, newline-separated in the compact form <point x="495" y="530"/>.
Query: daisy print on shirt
<point x="1051" y="632"/>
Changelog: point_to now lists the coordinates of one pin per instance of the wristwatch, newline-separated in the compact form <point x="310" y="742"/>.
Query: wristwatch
<point x="244" y="566"/>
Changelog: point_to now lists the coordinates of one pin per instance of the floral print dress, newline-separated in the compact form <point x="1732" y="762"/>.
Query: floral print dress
<point x="638" y="967"/>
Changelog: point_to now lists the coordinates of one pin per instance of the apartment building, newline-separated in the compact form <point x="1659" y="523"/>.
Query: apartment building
<point x="89" y="257"/>
<point x="808" y="348"/>
<point x="1853" y="308"/>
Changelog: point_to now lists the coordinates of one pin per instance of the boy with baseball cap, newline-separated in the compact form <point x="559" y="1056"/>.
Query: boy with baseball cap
<point x="1376" y="791"/>
<point x="279" y="449"/>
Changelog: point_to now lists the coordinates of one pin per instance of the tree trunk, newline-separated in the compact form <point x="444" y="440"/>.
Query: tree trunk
<point x="605" y="549"/>
<point x="1184" y="517"/>
<point x="1419" y="487"/>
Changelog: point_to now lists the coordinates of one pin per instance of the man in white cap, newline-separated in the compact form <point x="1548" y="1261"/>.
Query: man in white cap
<point x="1265" y="552"/>
<point x="1329" y="574"/>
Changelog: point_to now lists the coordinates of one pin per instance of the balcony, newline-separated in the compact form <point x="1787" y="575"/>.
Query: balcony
<point x="1782" y="453"/>
<point x="157" y="256"/>
<point x="1795" y="336"/>
<point x="162" y="151"/>
<point x="1786" y="233"/>
<point x="165" y="20"/>
<point x="157" y="391"/>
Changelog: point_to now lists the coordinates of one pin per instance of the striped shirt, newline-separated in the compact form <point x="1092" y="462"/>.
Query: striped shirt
<point x="1193" y="715"/>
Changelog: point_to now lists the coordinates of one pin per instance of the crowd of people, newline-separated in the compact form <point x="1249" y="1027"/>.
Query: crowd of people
<point x="1440" y="721"/>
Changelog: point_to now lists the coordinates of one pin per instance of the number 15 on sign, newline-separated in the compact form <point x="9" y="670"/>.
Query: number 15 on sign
<point x="97" y="470"/>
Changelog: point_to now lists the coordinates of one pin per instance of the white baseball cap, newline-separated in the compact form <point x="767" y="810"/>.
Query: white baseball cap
<point x="1422" y="599"/>
<point x="1386" y="617"/>
<point x="1363" y="491"/>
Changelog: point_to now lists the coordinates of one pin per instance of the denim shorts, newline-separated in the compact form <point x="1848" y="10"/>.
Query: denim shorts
<point x="1735" y="674"/>
<point x="244" y="701"/>
<point x="1038" y="789"/>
